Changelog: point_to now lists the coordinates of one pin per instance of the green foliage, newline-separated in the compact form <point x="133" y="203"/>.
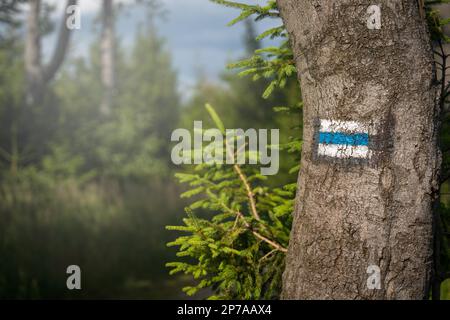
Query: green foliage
<point x="41" y="216"/>
<point x="79" y="187"/>
<point x="274" y="63"/>
<point x="238" y="226"/>
<point x="434" y="20"/>
<point x="238" y="100"/>
<point x="131" y="141"/>
<point x="239" y="251"/>
<point x="110" y="231"/>
<point x="247" y="10"/>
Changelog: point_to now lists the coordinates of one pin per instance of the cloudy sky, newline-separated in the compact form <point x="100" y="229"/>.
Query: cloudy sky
<point x="196" y="32"/>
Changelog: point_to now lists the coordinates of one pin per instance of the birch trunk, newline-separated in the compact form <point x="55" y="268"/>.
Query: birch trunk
<point x="107" y="56"/>
<point x="370" y="207"/>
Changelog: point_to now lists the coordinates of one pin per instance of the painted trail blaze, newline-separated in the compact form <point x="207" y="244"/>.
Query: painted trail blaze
<point x="343" y="139"/>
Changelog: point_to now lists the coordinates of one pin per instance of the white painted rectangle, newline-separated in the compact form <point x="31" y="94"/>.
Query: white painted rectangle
<point x="345" y="126"/>
<point x="343" y="151"/>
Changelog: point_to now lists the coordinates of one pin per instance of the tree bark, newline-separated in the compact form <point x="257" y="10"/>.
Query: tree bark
<point x="37" y="75"/>
<point x="108" y="56"/>
<point x="355" y="210"/>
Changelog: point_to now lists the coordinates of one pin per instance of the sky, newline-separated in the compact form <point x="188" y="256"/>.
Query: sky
<point x="196" y="34"/>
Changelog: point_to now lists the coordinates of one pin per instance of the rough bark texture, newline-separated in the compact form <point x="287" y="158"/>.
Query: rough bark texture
<point x="350" y="215"/>
<point x="107" y="56"/>
<point x="37" y="75"/>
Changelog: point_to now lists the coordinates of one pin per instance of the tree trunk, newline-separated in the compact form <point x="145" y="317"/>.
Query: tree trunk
<point x="370" y="158"/>
<point x="107" y="56"/>
<point x="33" y="67"/>
<point x="37" y="75"/>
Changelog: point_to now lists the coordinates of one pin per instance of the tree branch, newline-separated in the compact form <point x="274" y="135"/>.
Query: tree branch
<point x="261" y="237"/>
<point x="250" y="194"/>
<point x="243" y="178"/>
<point x="240" y="216"/>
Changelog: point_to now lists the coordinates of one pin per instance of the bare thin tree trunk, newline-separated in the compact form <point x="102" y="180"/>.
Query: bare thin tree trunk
<point x="37" y="75"/>
<point x="108" y="56"/>
<point x="33" y="65"/>
<point x="61" y="48"/>
<point x="370" y="158"/>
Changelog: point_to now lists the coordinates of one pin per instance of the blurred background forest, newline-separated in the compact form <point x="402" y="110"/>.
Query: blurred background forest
<point x="85" y="125"/>
<point x="86" y="117"/>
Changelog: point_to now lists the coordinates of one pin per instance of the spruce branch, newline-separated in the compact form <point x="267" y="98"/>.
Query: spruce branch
<point x="255" y="233"/>
<point x="243" y="178"/>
